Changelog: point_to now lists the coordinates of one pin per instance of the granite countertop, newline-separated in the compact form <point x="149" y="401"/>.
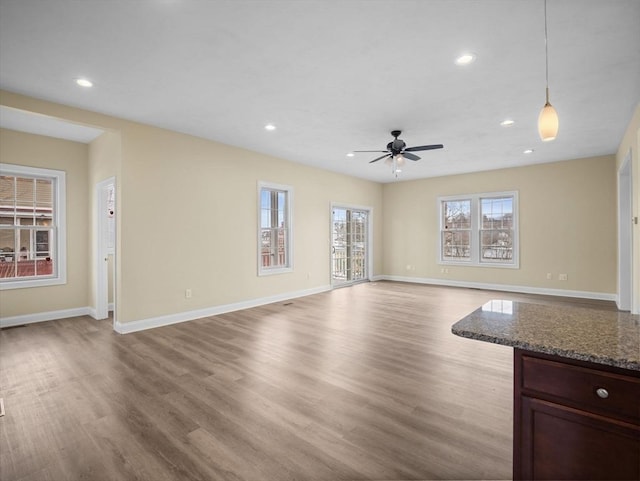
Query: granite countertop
<point x="600" y="336"/>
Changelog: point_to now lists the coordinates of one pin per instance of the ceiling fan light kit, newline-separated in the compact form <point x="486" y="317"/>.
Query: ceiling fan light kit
<point x="397" y="152"/>
<point x="548" y="123"/>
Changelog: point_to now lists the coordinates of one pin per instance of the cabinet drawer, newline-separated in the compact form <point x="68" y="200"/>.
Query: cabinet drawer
<point x="600" y="392"/>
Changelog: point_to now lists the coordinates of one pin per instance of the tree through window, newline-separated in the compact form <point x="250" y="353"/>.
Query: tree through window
<point x="456" y="236"/>
<point x="479" y="229"/>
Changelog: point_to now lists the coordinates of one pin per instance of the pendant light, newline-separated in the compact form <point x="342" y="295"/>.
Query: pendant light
<point x="548" y="119"/>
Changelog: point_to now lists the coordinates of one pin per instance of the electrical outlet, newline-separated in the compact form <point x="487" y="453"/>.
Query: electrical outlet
<point x="562" y="277"/>
<point x="188" y="294"/>
<point x="549" y="275"/>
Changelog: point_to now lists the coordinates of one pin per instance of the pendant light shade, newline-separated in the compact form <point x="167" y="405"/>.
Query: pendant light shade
<point x="548" y="119"/>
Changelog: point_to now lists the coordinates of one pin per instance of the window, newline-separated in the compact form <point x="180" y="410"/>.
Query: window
<point x="496" y="230"/>
<point x="32" y="214"/>
<point x="479" y="229"/>
<point x="349" y="244"/>
<point x="456" y="236"/>
<point x="274" y="233"/>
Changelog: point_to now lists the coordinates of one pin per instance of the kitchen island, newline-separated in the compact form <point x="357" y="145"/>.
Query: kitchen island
<point x="576" y="387"/>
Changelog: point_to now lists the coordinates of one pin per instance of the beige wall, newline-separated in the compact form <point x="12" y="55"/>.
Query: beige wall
<point x="567" y="225"/>
<point x="71" y="157"/>
<point x="190" y="221"/>
<point x="631" y="143"/>
<point x="187" y="218"/>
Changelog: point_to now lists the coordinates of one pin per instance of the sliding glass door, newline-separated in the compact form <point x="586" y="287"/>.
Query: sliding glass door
<point x="349" y="245"/>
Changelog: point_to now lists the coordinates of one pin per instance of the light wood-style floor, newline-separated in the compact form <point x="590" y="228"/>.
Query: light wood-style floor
<point x="360" y="383"/>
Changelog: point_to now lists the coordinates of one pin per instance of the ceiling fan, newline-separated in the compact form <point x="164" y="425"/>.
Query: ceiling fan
<point x="397" y="150"/>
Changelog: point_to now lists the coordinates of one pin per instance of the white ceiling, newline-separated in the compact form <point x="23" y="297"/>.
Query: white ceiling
<point x="336" y="76"/>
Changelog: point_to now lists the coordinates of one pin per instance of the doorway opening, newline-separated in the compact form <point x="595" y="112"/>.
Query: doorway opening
<point x="625" y="237"/>
<point x="105" y="294"/>
<point x="350" y="245"/>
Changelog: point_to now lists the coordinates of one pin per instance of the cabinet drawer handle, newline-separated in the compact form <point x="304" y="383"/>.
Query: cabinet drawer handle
<point x="602" y="393"/>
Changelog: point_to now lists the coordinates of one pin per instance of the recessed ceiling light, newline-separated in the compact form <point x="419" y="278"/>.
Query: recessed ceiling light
<point x="83" y="82"/>
<point x="528" y="151"/>
<point x="350" y="154"/>
<point x="270" y="127"/>
<point x="465" y="58"/>
<point x="507" y="122"/>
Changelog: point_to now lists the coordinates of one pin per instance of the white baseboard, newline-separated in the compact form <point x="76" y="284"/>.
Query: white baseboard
<point x="43" y="316"/>
<point x="149" y="323"/>
<point x="152" y="322"/>
<point x="94" y="313"/>
<point x="603" y="296"/>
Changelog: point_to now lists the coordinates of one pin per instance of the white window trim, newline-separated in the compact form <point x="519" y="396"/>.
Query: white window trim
<point x="268" y="271"/>
<point x="475" y="260"/>
<point x="59" y="240"/>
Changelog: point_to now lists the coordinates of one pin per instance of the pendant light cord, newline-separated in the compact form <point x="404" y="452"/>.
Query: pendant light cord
<point x="546" y="50"/>
<point x="548" y="118"/>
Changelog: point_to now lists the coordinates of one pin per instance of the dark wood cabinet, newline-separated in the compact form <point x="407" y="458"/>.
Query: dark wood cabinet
<point x="575" y="420"/>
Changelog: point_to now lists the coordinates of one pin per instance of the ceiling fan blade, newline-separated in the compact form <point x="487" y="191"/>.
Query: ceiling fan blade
<point x="370" y="151"/>
<point x="410" y="156"/>
<point x="380" y="158"/>
<point x="424" y="147"/>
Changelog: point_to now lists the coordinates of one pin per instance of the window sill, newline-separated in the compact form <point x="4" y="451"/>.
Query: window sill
<point x="27" y="283"/>
<point x="274" y="271"/>
<point x="499" y="265"/>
